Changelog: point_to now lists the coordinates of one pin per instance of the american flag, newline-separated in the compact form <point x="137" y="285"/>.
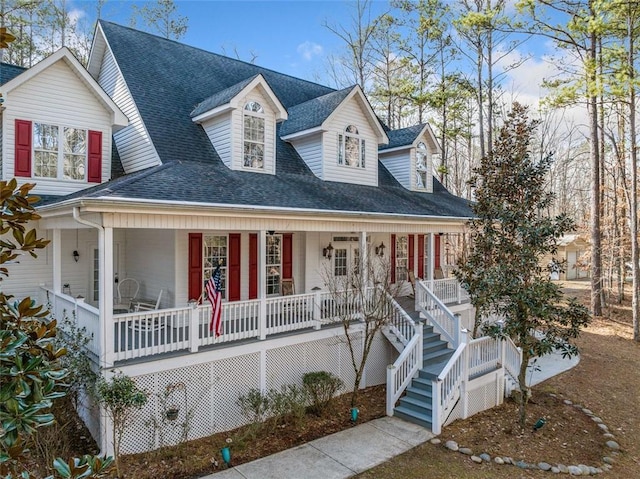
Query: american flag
<point x="214" y="295"/>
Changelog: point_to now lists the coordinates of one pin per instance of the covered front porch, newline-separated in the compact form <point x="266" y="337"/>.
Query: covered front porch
<point x="274" y="281"/>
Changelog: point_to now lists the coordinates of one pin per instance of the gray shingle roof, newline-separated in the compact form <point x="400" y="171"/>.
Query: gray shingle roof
<point x="403" y="136"/>
<point x="9" y="72"/>
<point x="167" y="81"/>
<point x="221" y="98"/>
<point x="313" y="113"/>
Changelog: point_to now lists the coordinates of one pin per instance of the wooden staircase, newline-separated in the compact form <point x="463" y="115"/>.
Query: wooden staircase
<point x="417" y="404"/>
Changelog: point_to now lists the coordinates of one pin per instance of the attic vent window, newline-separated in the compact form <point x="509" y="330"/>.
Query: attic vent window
<point x="351" y="148"/>
<point x="421" y="166"/>
<point x="253" y="135"/>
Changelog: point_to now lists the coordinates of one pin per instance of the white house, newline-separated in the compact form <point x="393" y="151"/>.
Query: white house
<point x="162" y="161"/>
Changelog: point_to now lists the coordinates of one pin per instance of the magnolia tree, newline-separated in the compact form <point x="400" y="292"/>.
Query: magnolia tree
<point x="31" y="374"/>
<point x="510" y="234"/>
<point x="361" y="298"/>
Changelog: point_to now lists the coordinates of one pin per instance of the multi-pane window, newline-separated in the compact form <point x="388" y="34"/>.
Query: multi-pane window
<point x="402" y="258"/>
<point x="421" y="166"/>
<point x="340" y="265"/>
<point x="215" y="253"/>
<point x="274" y="263"/>
<point x="253" y="135"/>
<point x="59" y="152"/>
<point x="351" y="148"/>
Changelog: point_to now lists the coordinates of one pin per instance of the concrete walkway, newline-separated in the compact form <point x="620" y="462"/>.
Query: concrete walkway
<point x="337" y="456"/>
<point x="364" y="446"/>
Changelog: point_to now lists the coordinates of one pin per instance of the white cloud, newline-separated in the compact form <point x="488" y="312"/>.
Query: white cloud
<point x="308" y="50"/>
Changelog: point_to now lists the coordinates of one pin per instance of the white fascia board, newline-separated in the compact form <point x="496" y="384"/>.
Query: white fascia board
<point x="96" y="54"/>
<point x="118" y="119"/>
<point x="121" y="205"/>
<point x="428" y="132"/>
<point x="207" y="115"/>
<point x="383" y="139"/>
<point x="392" y="150"/>
<point x="301" y="134"/>
<point x="259" y="80"/>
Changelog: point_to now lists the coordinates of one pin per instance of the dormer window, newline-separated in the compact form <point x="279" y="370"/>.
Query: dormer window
<point x="351" y="148"/>
<point x="421" y="165"/>
<point x="253" y="135"/>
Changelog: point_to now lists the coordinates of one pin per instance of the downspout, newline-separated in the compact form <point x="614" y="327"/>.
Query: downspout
<point x="105" y="309"/>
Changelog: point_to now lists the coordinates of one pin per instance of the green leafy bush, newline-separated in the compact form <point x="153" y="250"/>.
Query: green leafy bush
<point x="321" y="387"/>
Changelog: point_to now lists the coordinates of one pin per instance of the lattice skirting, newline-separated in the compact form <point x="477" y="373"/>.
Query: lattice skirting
<point x="206" y="394"/>
<point x="481" y="394"/>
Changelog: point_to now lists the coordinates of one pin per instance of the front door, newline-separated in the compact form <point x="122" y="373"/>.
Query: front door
<point x="346" y="261"/>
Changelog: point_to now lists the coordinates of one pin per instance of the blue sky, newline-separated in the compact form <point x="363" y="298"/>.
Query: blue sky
<point x="287" y="36"/>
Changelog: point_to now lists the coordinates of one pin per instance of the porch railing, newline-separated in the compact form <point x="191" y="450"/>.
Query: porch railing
<point x="512" y="359"/>
<point x="484" y="355"/>
<point x="148" y="333"/>
<point x="84" y="316"/>
<point x="409" y="362"/>
<point x="448" y="290"/>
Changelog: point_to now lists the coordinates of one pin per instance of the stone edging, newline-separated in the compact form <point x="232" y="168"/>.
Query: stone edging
<point x="574" y="470"/>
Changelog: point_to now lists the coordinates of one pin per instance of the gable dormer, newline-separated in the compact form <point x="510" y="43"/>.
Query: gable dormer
<point x="337" y="135"/>
<point x="240" y="122"/>
<point x="57" y="126"/>
<point x="409" y="156"/>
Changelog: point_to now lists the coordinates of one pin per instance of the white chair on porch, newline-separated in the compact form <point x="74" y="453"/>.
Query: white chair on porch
<point x="127" y="290"/>
<point x="148" y="306"/>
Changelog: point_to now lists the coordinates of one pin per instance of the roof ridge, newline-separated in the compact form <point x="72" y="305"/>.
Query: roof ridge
<point x="216" y="54"/>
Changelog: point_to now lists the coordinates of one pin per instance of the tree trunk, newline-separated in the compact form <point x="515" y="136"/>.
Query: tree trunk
<point x="523" y="398"/>
<point x="596" y="258"/>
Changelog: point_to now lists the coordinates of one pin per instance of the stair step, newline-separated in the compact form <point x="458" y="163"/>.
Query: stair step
<point x="426" y="337"/>
<point x="433" y="346"/>
<point x="422" y="383"/>
<point x="417" y="405"/>
<point x="423" y="420"/>
<point x="436" y="356"/>
<point x="420" y="393"/>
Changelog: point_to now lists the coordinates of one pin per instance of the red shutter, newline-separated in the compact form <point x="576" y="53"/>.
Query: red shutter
<point x="23" y="132"/>
<point x="253" y="266"/>
<point x="233" y="268"/>
<point x="195" y="265"/>
<point x="393" y="259"/>
<point x="436" y="252"/>
<point x="94" y="174"/>
<point x="420" y="256"/>
<point x="287" y="256"/>
<point x="411" y="254"/>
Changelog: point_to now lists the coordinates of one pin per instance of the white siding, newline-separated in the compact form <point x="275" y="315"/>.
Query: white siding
<point x="133" y="142"/>
<point x="26" y="275"/>
<point x="399" y="165"/>
<point x="218" y="130"/>
<point x="237" y="129"/>
<point x="350" y="113"/>
<point x="149" y="259"/>
<point x="310" y="150"/>
<point x="57" y="96"/>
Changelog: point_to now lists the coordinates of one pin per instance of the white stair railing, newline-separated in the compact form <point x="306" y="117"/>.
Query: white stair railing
<point x="511" y="360"/>
<point x="438" y="315"/>
<point x="447" y="388"/>
<point x="403" y="370"/>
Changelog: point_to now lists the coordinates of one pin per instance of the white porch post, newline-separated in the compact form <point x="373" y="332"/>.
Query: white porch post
<point x="57" y="261"/>
<point x="262" y="283"/>
<point x="364" y="258"/>
<point x="431" y="244"/>
<point x="105" y="249"/>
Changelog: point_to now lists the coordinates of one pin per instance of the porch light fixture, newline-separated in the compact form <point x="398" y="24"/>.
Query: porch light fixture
<point x="327" y="251"/>
<point x="76" y="255"/>
<point x="380" y="249"/>
<point x="271" y="232"/>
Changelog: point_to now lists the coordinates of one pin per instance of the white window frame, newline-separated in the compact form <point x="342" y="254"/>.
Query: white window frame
<point x="60" y="152"/>
<point x="402" y="260"/>
<point x="273" y="259"/>
<point x="422" y="170"/>
<point x="253" y="109"/>
<point x="350" y="135"/>
<point x="210" y="261"/>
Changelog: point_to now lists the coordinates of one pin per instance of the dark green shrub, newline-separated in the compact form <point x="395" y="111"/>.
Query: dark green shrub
<point x="321" y="386"/>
